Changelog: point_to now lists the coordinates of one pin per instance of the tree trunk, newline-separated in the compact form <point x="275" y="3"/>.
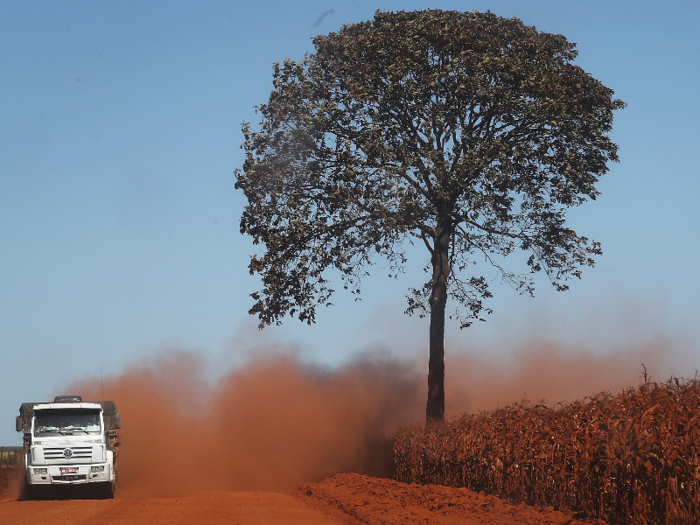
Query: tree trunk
<point x="435" y="410"/>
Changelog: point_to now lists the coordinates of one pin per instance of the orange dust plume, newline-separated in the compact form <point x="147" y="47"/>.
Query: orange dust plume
<point x="271" y="424"/>
<point x="277" y="421"/>
<point x="552" y="372"/>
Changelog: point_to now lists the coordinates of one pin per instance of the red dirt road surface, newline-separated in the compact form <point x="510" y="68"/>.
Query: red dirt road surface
<point x="212" y="508"/>
<point x="345" y="499"/>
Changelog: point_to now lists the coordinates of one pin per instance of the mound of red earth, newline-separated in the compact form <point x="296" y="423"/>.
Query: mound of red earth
<point x="377" y="501"/>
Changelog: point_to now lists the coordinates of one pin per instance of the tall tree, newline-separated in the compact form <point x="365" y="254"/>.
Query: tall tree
<point x="468" y="133"/>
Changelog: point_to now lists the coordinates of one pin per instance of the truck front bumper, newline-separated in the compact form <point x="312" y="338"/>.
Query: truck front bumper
<point x="68" y="475"/>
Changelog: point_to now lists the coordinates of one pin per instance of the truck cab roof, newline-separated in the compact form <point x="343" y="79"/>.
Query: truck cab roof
<point x="49" y="406"/>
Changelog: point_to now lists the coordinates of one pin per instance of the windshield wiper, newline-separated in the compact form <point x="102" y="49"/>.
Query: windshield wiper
<point x="73" y="429"/>
<point x="46" y="430"/>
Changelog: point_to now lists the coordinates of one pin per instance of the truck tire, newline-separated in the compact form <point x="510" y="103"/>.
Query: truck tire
<point x="108" y="490"/>
<point x="32" y="492"/>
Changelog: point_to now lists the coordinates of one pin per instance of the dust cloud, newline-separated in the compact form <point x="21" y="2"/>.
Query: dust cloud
<point x="277" y="421"/>
<point x="272" y="424"/>
<point x="551" y="372"/>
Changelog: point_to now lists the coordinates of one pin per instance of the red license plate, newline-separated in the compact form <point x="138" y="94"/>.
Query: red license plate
<point x="69" y="470"/>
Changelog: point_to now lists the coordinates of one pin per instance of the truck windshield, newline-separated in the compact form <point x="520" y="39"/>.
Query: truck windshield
<point x="66" y="421"/>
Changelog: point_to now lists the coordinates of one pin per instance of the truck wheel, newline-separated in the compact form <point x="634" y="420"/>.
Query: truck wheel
<point x="31" y="492"/>
<point x="108" y="490"/>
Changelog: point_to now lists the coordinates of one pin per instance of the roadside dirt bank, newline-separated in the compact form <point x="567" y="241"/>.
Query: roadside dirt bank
<point x="345" y="499"/>
<point x="378" y="501"/>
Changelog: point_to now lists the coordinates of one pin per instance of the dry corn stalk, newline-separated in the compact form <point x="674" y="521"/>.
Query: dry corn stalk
<point x="627" y="459"/>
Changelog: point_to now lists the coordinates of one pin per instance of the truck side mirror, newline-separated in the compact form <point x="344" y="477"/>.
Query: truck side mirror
<point x="19" y="426"/>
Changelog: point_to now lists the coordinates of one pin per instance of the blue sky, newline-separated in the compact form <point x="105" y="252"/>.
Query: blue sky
<point x="120" y="131"/>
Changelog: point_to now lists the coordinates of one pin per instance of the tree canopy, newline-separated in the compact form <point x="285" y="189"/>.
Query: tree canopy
<point x="468" y="133"/>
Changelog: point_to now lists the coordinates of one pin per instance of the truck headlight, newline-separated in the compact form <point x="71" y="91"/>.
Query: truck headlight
<point x="39" y="470"/>
<point x="101" y="468"/>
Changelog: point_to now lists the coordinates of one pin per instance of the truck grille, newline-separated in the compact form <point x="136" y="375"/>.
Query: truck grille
<point x="78" y="453"/>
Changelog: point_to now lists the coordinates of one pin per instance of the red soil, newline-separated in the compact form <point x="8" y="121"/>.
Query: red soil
<point x="343" y="499"/>
<point x="385" y="502"/>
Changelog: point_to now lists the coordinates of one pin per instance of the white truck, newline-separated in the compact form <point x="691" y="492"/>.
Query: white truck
<point x="70" y="442"/>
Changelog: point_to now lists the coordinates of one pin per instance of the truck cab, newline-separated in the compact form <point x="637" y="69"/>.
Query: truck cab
<point x="70" y="442"/>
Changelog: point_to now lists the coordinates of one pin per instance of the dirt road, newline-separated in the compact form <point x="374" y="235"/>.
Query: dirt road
<point x="212" y="508"/>
<point x="345" y="499"/>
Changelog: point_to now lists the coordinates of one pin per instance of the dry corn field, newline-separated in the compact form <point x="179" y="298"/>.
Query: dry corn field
<point x="626" y="459"/>
<point x="10" y="456"/>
